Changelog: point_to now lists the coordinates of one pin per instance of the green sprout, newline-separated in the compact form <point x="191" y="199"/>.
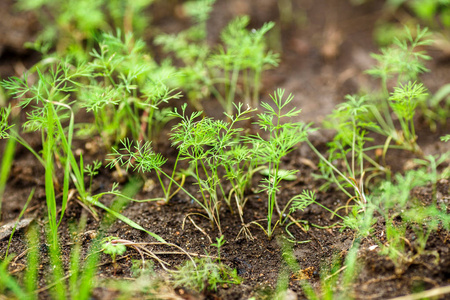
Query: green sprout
<point x="282" y="137"/>
<point x="244" y="55"/>
<point x="205" y="273"/>
<point x="349" y="147"/>
<point x="445" y="138"/>
<point x="50" y="95"/>
<point x="91" y="171"/>
<point x="403" y="102"/>
<point x="52" y="115"/>
<point x="241" y="60"/>
<point x="400" y="62"/>
<point x="112" y="248"/>
<point x="142" y="158"/>
<point x="206" y="144"/>
<point x="72" y="26"/>
<point x="127" y="89"/>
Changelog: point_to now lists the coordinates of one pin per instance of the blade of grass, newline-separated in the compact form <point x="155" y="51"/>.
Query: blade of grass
<point x="18" y="219"/>
<point x="8" y="156"/>
<point x="89" y="269"/>
<point x="31" y="272"/>
<point x="56" y="273"/>
<point x="50" y="196"/>
<point x="8" y="282"/>
<point x="131" y="189"/>
<point x="129" y="221"/>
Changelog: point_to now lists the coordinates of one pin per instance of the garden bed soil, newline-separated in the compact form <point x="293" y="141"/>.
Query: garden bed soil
<point x="323" y="59"/>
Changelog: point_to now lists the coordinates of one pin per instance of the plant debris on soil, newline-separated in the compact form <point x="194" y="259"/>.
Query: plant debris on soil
<point x="322" y="60"/>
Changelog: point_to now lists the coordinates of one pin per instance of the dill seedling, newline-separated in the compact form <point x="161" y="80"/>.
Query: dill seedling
<point x="348" y="147"/>
<point x="241" y="58"/>
<point x="244" y="56"/>
<point x="142" y="158"/>
<point x="305" y="199"/>
<point x="404" y="101"/>
<point x="206" y="144"/>
<point x="4" y="125"/>
<point x="403" y="212"/>
<point x="282" y="137"/>
<point x="191" y="48"/>
<point x="126" y="90"/>
<point x="72" y="26"/>
<point x="205" y="273"/>
<point x="445" y="138"/>
<point x="50" y="96"/>
<point x="52" y="115"/>
<point x="400" y="63"/>
<point x="113" y="249"/>
<point x="336" y="280"/>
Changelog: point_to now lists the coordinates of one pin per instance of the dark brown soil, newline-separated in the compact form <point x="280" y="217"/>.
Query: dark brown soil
<point x="324" y="51"/>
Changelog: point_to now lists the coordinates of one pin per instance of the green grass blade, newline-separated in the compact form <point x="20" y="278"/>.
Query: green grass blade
<point x="82" y="275"/>
<point x="18" y="219"/>
<point x="129" y="221"/>
<point x="31" y="272"/>
<point x="8" y="282"/>
<point x="8" y="156"/>
<point x="50" y="196"/>
<point x="75" y="266"/>
<point x="86" y="281"/>
<point x="56" y="269"/>
<point x="69" y="159"/>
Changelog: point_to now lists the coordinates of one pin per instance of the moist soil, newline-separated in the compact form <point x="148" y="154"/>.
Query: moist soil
<point x="324" y="53"/>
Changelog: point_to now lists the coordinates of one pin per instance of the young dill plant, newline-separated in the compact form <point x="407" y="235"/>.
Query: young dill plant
<point x="241" y="59"/>
<point x="50" y="95"/>
<point x="336" y="281"/>
<point x="206" y="145"/>
<point x="399" y="64"/>
<point x="52" y="115"/>
<point x="282" y="137"/>
<point x="205" y="273"/>
<point x="91" y="171"/>
<point x="402" y="61"/>
<point x="401" y="212"/>
<point x="348" y="148"/>
<point x="404" y="101"/>
<point x="244" y="56"/>
<point x="305" y="199"/>
<point x="4" y="125"/>
<point x="126" y="90"/>
<point x="72" y="26"/>
<point x="142" y="158"/>
<point x="190" y="47"/>
<point x="445" y="138"/>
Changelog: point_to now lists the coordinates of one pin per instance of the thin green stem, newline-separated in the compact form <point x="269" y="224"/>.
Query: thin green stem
<point x="161" y="183"/>
<point x="232" y="92"/>
<point x="360" y="193"/>
<point x="353" y="146"/>
<point x="256" y="84"/>
<point x="173" y="174"/>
